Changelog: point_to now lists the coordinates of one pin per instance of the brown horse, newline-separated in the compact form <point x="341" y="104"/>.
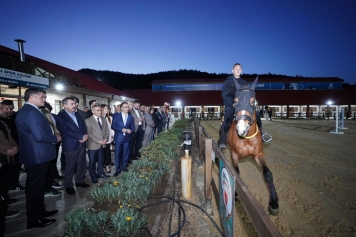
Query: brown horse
<point x="245" y="139"/>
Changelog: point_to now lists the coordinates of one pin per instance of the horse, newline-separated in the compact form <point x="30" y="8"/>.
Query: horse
<point x="245" y="139"/>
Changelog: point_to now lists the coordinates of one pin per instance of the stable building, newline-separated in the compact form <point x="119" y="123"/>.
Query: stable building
<point x="19" y="71"/>
<point x="292" y="97"/>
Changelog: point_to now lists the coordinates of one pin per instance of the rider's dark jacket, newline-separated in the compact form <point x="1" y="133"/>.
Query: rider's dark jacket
<point x="229" y="90"/>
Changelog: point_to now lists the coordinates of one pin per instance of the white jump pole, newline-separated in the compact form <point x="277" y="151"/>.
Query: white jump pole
<point x="337" y="122"/>
<point x="342" y="118"/>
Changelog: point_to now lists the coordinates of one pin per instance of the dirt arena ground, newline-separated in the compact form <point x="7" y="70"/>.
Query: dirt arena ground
<point x="314" y="173"/>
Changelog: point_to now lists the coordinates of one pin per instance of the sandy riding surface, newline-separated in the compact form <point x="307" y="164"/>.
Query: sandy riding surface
<point x="315" y="177"/>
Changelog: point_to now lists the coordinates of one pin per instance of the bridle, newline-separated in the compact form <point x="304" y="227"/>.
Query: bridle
<point x="238" y="107"/>
<point x="244" y="93"/>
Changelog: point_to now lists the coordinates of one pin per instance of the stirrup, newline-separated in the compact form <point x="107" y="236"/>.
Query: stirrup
<point x="222" y="145"/>
<point x="266" y="137"/>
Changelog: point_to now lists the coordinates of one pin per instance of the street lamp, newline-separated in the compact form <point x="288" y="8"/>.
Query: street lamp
<point x="59" y="87"/>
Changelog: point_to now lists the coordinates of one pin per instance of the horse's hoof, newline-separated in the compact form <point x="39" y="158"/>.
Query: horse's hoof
<point x="237" y="198"/>
<point x="273" y="211"/>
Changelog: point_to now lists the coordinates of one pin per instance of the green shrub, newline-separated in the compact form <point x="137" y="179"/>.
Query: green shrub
<point x="129" y="191"/>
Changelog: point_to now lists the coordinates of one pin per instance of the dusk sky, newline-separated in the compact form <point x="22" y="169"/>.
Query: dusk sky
<point x="314" y="38"/>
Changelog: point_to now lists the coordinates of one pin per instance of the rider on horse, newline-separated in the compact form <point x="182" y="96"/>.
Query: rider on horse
<point x="228" y="94"/>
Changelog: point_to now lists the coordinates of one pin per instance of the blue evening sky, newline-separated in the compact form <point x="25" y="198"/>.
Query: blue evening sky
<point x="315" y="38"/>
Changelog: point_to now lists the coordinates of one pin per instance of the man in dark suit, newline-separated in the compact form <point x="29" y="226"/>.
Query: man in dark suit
<point x="91" y="104"/>
<point x="138" y="134"/>
<point x="37" y="144"/>
<point x="81" y="113"/>
<point x="98" y="132"/>
<point x="161" y="120"/>
<point x="8" y="149"/>
<point x="74" y="136"/>
<point x="156" y="121"/>
<point x="123" y="125"/>
<point x="10" y="121"/>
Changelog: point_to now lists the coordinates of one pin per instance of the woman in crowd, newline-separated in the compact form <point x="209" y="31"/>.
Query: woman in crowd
<point x="107" y="153"/>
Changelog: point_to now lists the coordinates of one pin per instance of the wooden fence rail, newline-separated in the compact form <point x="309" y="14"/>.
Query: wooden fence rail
<point x="254" y="209"/>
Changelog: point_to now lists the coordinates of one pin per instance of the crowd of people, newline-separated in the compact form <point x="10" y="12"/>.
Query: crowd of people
<point x="30" y="141"/>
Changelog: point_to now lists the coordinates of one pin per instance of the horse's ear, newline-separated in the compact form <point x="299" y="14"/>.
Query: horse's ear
<point x="237" y="85"/>
<point x="254" y="84"/>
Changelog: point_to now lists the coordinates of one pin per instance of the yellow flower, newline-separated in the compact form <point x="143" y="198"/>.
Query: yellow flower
<point x="121" y="206"/>
<point x="129" y="205"/>
<point x="128" y="218"/>
<point x="146" y="178"/>
<point x="116" y="183"/>
<point x="137" y="206"/>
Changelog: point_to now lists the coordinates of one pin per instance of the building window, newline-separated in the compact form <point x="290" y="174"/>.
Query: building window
<point x="9" y="90"/>
<point x="57" y="106"/>
<point x="23" y="89"/>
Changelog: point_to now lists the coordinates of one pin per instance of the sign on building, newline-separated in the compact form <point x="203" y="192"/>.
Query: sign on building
<point x="10" y="77"/>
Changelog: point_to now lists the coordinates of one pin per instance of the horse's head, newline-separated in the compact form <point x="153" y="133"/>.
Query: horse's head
<point x="244" y="107"/>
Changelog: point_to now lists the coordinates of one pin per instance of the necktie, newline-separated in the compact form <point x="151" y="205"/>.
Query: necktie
<point x="101" y="128"/>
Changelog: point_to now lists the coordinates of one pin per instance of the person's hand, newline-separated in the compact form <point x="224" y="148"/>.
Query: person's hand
<point x="128" y="131"/>
<point x="85" y="137"/>
<point x="59" y="138"/>
<point x="234" y="104"/>
<point x="104" y="141"/>
<point x="11" y="151"/>
<point x="81" y="141"/>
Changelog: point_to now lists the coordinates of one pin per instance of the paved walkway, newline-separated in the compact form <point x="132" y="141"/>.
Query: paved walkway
<point x="64" y="203"/>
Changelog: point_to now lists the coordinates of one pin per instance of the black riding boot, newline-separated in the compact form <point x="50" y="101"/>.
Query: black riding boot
<point x="265" y="136"/>
<point x="222" y="140"/>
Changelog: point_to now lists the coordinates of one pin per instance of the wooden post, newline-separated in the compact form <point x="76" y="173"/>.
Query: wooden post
<point x="208" y="175"/>
<point x="201" y="148"/>
<point x="186" y="175"/>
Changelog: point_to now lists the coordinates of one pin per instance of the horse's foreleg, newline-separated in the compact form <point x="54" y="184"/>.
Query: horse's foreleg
<point x="273" y="206"/>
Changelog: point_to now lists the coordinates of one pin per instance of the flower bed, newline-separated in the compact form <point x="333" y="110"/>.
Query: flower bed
<point x="128" y="192"/>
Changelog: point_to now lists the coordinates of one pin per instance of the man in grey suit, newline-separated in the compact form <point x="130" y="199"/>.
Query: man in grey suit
<point x="98" y="133"/>
<point x="150" y="125"/>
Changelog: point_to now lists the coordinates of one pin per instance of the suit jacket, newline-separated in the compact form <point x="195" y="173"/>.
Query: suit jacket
<point x="118" y="125"/>
<point x="164" y="117"/>
<point x="95" y="133"/>
<point x="159" y="118"/>
<point x="36" y="138"/>
<point x="136" y="119"/>
<point x="70" y="132"/>
<point x="6" y="140"/>
<point x="82" y="114"/>
<point x="50" y="120"/>
<point x="155" y="119"/>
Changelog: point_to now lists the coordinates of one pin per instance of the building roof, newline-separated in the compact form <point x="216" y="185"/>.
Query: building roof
<point x="86" y="81"/>
<point x="280" y="79"/>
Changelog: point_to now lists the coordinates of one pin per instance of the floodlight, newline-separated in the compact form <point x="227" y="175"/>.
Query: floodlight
<point x="59" y="87"/>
